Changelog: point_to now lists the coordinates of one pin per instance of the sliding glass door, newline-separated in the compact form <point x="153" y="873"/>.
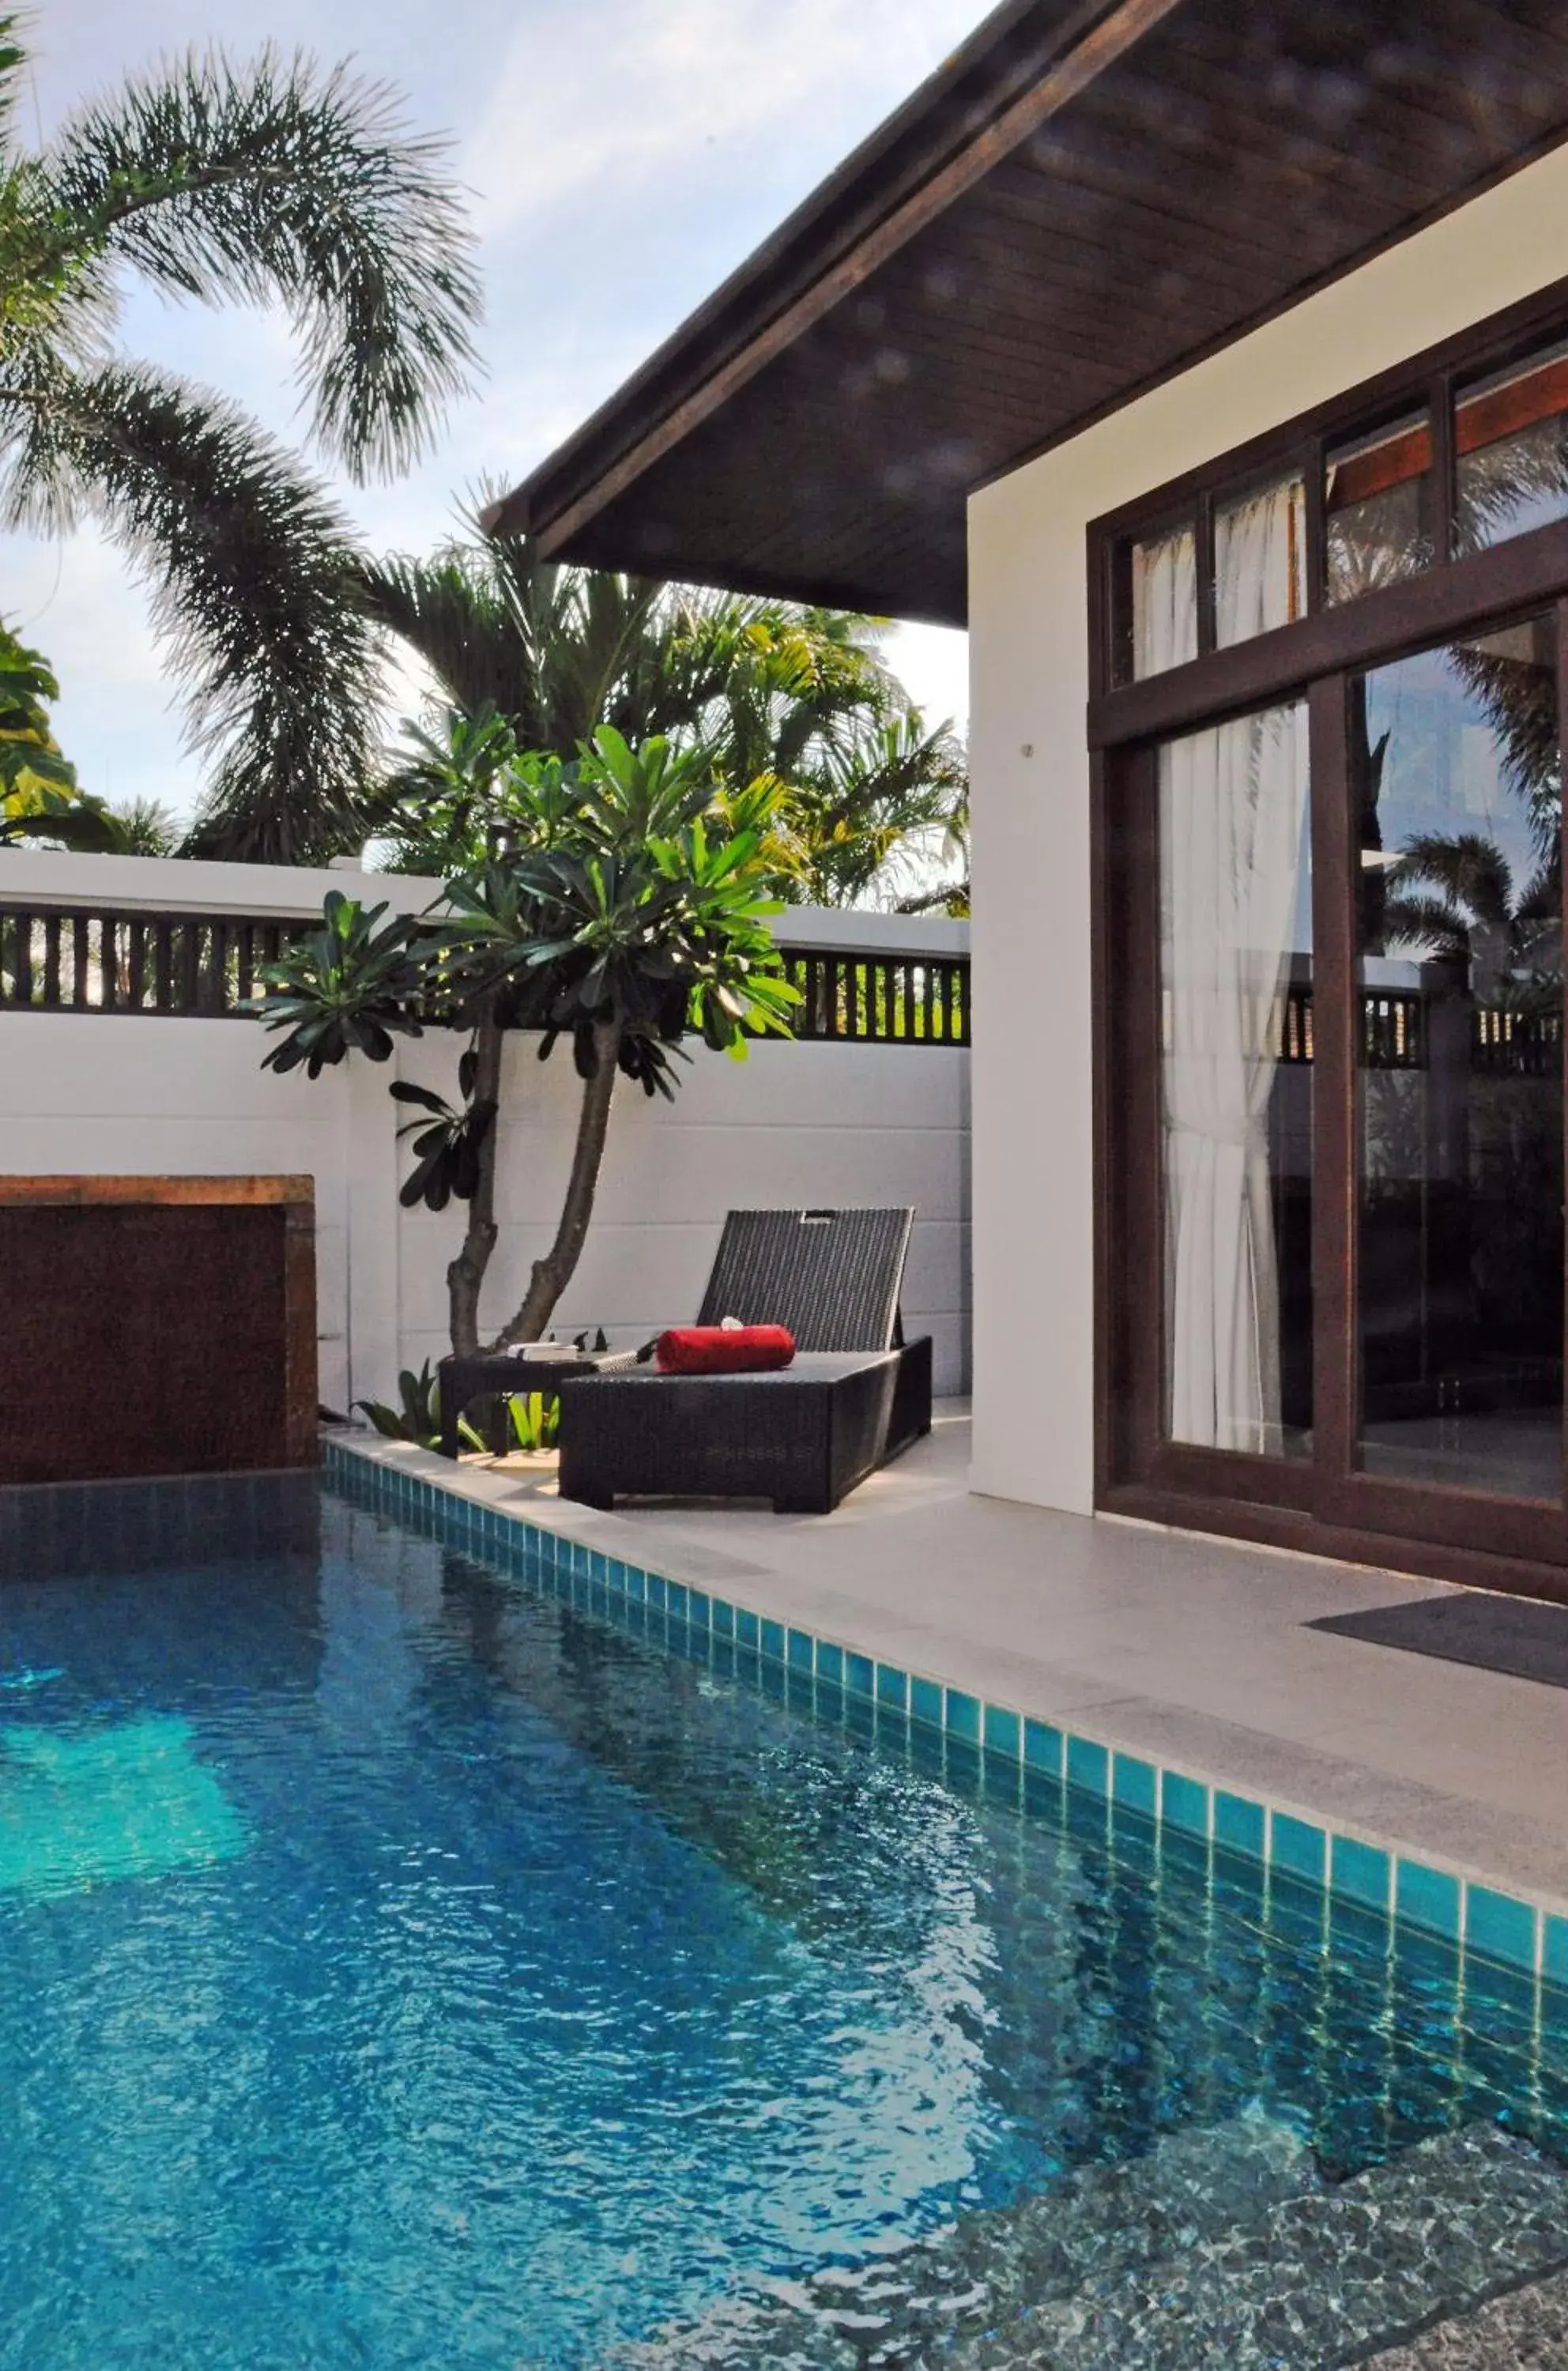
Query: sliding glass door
<point x="1359" y="1078"/>
<point x="1326" y="719"/>
<point x="1456" y="793"/>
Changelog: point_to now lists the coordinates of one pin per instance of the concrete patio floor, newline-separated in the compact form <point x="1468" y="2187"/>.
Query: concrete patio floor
<point x="1186" y="1649"/>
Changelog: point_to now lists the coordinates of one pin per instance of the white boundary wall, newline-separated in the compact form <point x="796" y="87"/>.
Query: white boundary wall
<point x="1029" y="663"/>
<point x="792" y="1125"/>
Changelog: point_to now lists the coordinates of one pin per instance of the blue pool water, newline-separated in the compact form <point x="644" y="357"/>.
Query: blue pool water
<point x="401" y="1969"/>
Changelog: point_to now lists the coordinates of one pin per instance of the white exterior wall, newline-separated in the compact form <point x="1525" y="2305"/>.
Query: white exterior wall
<point x="792" y="1125"/>
<point x="1029" y="659"/>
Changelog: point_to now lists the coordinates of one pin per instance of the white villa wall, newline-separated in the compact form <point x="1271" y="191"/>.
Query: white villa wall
<point x="1032" y="1105"/>
<point x="791" y="1125"/>
<point x="794" y="1124"/>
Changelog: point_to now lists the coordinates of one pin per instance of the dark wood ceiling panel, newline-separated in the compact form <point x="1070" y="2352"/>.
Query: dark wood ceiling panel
<point x="1227" y="160"/>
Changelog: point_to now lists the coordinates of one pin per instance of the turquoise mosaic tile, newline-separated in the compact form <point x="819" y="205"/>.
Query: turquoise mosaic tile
<point x="1184" y="1804"/>
<point x="1042" y="1748"/>
<point x="1499" y="1928"/>
<point x="1554" y="1952"/>
<point x="1133" y="1784"/>
<point x="1298" y="1847"/>
<point x="1088" y="1765"/>
<point x="946" y="1727"/>
<point x="1239" y="1825"/>
<point x="1360" y="1873"/>
<point x="893" y="1687"/>
<point x="1002" y="1731"/>
<point x="926" y="1703"/>
<point x="963" y="1716"/>
<point x="1427" y="1897"/>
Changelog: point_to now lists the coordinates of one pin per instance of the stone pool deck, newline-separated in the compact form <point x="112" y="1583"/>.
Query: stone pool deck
<point x="1188" y="1650"/>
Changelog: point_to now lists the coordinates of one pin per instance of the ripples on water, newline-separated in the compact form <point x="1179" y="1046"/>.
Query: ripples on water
<point x="401" y="1970"/>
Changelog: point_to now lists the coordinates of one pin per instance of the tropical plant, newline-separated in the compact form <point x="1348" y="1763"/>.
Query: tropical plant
<point x="624" y="905"/>
<point x="354" y="984"/>
<point x="279" y="183"/>
<point x="149" y="826"/>
<point x="40" y="797"/>
<point x="417" y="1416"/>
<point x="448" y="1143"/>
<point x="534" y="657"/>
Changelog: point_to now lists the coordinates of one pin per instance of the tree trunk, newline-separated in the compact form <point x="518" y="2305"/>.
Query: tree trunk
<point x="466" y="1272"/>
<point x="553" y="1273"/>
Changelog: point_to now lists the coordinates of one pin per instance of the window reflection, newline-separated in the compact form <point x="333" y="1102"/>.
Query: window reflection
<point x="1377" y="508"/>
<point x="1458" y="788"/>
<point x="1511" y="452"/>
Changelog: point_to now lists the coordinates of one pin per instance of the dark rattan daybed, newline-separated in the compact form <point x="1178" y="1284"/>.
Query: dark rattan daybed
<point x="857" y="1395"/>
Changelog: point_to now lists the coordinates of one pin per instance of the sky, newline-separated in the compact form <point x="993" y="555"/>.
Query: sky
<point x="620" y="157"/>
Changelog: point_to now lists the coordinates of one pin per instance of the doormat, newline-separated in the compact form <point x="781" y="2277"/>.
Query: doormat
<point x="1495" y="1634"/>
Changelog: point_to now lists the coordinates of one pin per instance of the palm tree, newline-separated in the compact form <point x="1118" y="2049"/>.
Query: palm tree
<point x="537" y="657"/>
<point x="275" y="182"/>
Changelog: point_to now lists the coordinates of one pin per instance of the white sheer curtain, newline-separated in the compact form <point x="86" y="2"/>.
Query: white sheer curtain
<point x="1232" y="807"/>
<point x="1165" y="603"/>
<point x="1260" y="563"/>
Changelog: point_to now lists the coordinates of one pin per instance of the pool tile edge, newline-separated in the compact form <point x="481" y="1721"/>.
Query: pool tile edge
<point x="1485" y="1921"/>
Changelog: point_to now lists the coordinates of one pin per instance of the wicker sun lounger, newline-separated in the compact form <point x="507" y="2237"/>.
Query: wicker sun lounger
<point x="857" y="1395"/>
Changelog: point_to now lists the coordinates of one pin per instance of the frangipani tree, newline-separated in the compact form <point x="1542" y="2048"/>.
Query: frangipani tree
<point x="622" y="904"/>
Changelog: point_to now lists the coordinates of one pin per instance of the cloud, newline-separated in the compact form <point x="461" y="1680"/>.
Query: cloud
<point x="623" y="96"/>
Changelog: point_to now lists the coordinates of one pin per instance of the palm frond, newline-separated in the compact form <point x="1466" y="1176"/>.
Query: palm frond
<point x="12" y="66"/>
<point x="282" y="182"/>
<point x="253" y="578"/>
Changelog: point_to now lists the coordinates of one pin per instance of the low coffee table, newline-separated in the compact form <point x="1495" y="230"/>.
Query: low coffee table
<point x="496" y="1372"/>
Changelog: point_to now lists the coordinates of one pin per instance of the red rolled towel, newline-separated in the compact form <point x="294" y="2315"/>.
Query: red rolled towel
<point x="725" y="1349"/>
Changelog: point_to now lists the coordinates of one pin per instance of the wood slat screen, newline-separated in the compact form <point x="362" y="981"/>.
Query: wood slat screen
<point x="102" y="960"/>
<point x="880" y="999"/>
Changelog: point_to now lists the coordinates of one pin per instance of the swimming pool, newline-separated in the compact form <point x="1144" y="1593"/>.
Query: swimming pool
<point x="409" y="1968"/>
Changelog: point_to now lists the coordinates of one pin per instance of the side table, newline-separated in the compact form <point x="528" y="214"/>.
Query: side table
<point x="497" y="1372"/>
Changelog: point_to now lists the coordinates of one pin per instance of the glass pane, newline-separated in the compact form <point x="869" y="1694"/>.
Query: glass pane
<point x="1165" y="602"/>
<point x="1377" y="508"/>
<point x="1457" y="783"/>
<point x="1236" y="957"/>
<point x="1511" y="452"/>
<point x="1259" y="561"/>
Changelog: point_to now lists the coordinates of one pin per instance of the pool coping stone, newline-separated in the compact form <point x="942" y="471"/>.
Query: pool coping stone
<point x="1374" y="1875"/>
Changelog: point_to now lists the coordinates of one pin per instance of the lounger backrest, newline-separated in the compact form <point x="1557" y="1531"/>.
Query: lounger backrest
<point x="832" y="1277"/>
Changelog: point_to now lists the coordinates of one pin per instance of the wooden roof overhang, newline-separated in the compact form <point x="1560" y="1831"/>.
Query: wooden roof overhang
<point x="1084" y="201"/>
